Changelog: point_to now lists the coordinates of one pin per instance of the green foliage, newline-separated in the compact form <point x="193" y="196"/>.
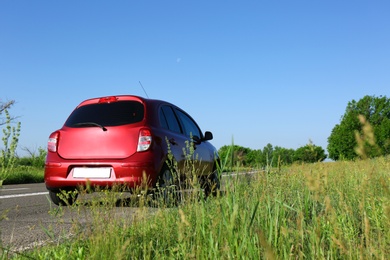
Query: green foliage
<point x="270" y="156"/>
<point x="309" y="153"/>
<point x="376" y="111"/>
<point x="24" y="174"/>
<point x="237" y="155"/>
<point x="285" y="156"/>
<point x="33" y="159"/>
<point x="224" y="160"/>
<point x="10" y="142"/>
<point x="254" y="157"/>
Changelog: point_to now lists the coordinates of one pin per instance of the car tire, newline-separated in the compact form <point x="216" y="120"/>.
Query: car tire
<point x="167" y="192"/>
<point x="212" y="184"/>
<point x="60" y="199"/>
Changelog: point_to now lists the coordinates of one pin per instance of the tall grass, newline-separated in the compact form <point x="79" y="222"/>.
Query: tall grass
<point x="25" y="174"/>
<point x="335" y="210"/>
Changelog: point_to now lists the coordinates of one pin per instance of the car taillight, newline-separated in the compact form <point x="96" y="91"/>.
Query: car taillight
<point x="144" y="140"/>
<point x="52" y="142"/>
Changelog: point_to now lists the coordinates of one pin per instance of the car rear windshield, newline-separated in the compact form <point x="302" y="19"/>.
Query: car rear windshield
<point x="107" y="114"/>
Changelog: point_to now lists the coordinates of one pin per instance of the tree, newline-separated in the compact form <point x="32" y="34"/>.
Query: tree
<point x="267" y="155"/>
<point x="283" y="156"/>
<point x="343" y="139"/>
<point x="253" y="157"/>
<point x="234" y="155"/>
<point x="309" y="153"/>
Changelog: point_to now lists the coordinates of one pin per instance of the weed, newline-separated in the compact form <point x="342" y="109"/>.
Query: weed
<point x="10" y="142"/>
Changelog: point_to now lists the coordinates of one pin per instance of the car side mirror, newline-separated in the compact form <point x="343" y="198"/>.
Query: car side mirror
<point x="208" y="136"/>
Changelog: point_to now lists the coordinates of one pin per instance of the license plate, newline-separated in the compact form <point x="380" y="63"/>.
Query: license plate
<point x="92" y="173"/>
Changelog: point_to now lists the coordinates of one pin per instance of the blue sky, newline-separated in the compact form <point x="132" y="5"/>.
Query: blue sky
<point x="279" y="72"/>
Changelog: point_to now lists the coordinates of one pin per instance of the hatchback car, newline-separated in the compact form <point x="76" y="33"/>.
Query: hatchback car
<point x="125" y="140"/>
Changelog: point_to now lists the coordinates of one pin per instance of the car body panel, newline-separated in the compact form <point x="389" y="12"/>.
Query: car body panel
<point x="92" y="142"/>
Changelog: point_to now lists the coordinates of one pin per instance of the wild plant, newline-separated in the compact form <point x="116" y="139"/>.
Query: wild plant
<point x="10" y="142"/>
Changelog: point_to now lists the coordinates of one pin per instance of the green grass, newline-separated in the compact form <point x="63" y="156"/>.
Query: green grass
<point x="24" y="174"/>
<point x="337" y="210"/>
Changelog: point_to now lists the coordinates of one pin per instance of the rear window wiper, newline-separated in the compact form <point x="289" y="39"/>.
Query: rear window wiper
<point x="91" y="124"/>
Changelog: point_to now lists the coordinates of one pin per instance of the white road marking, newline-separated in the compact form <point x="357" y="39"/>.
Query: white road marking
<point x="5" y="189"/>
<point x="24" y="195"/>
<point x="239" y="173"/>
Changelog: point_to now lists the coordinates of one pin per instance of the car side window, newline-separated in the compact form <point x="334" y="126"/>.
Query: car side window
<point x="163" y="119"/>
<point x="190" y="127"/>
<point x="168" y="119"/>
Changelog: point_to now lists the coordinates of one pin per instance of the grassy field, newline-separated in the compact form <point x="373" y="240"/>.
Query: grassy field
<point x="335" y="210"/>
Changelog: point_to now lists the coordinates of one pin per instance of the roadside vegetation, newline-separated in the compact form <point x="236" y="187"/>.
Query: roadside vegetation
<point x="10" y="139"/>
<point x="27" y="169"/>
<point x="335" y="210"/>
<point x="14" y="169"/>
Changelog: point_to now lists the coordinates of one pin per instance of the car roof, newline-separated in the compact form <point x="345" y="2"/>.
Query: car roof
<point x="119" y="98"/>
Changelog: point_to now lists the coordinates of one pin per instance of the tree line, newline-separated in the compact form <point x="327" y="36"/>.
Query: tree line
<point x="270" y="156"/>
<point x="363" y="132"/>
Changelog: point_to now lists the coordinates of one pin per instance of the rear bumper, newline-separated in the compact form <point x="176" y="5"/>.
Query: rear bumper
<point x="59" y="175"/>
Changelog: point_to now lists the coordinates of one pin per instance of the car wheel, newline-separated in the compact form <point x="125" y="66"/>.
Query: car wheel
<point x="62" y="198"/>
<point x="212" y="184"/>
<point x="167" y="188"/>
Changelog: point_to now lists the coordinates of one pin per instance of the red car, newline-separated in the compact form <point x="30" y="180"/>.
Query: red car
<point x="121" y="140"/>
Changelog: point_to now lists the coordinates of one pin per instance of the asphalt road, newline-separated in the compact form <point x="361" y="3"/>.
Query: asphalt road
<point x="24" y="213"/>
<point x="29" y="219"/>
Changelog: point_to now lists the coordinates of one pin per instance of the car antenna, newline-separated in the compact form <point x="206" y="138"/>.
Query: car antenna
<point x="143" y="89"/>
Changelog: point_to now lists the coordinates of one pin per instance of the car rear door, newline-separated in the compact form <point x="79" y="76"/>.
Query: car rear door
<point x="102" y="130"/>
<point x="174" y="138"/>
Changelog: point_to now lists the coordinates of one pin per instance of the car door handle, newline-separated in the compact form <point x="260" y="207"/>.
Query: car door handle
<point x="172" y="141"/>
